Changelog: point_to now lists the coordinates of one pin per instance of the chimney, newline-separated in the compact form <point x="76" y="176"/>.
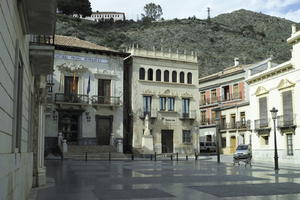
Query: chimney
<point x="294" y="28"/>
<point x="236" y="61"/>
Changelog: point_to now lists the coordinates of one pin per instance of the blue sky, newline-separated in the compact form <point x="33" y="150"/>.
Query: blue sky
<point x="289" y="9"/>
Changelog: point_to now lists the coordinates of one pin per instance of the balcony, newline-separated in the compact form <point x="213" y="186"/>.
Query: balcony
<point x="230" y="125"/>
<point x="191" y="115"/>
<point x="106" y="101"/>
<point x="207" y="122"/>
<point x="42" y="53"/>
<point x="210" y="101"/>
<point x="231" y="97"/>
<point x="244" y="124"/>
<point x="261" y="124"/>
<point x="152" y="114"/>
<point x="79" y="99"/>
<point x="219" y="99"/>
<point x="286" y="121"/>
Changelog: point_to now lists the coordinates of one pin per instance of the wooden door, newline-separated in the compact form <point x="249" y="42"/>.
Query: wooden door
<point x="167" y="141"/>
<point x="232" y="144"/>
<point x="103" y="130"/>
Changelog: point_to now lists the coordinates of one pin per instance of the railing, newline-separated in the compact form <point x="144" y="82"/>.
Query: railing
<point x="205" y="122"/>
<point x="42" y="39"/>
<point x="188" y="115"/>
<point x="261" y="124"/>
<point x="106" y="100"/>
<point x="71" y="98"/>
<point x="243" y="124"/>
<point x="219" y="99"/>
<point x="230" y="125"/>
<point x="285" y="121"/>
<point x="151" y="114"/>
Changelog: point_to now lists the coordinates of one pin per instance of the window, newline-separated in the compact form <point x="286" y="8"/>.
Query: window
<point x="289" y="139"/>
<point x="213" y="117"/>
<point x="186" y="136"/>
<point x="162" y="103"/>
<point x="226" y="96"/>
<point x="158" y="75"/>
<point x="181" y="77"/>
<point x="203" y="117"/>
<point x="71" y="85"/>
<point x="232" y="120"/>
<point x="202" y="98"/>
<point x="263" y="112"/>
<point x="171" y="103"/>
<point x="104" y="90"/>
<point x="235" y="92"/>
<point x="150" y="74"/>
<point x="264" y="140"/>
<point x="166" y="76"/>
<point x="142" y="74"/>
<point x="189" y="78"/>
<point x="185" y="106"/>
<point x="174" y="77"/>
<point x="147" y="104"/>
<point x="213" y="96"/>
<point x="287" y="99"/>
<point x="223" y="122"/>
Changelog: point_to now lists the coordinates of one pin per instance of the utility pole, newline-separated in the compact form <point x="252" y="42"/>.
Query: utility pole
<point x="208" y="13"/>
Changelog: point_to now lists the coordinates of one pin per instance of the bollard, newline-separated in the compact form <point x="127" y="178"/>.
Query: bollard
<point x="196" y="156"/>
<point x="155" y="156"/>
<point x="85" y="156"/>
<point x="151" y="157"/>
<point x="177" y="156"/>
<point x="109" y="156"/>
<point x="186" y="157"/>
<point x="171" y="156"/>
<point x="132" y="157"/>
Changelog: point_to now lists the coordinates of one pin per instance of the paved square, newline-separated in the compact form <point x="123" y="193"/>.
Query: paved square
<point x="207" y="180"/>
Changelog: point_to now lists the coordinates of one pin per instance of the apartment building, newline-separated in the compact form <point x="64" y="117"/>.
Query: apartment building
<point x="276" y="86"/>
<point x="26" y="57"/>
<point x="85" y="95"/>
<point x="102" y="16"/>
<point x="226" y="91"/>
<point x="161" y="89"/>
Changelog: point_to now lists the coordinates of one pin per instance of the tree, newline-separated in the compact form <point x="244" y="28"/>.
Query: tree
<point x="78" y="7"/>
<point x="152" y="11"/>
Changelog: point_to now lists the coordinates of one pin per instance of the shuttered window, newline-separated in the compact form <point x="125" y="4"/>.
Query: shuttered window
<point x="289" y="138"/>
<point x="287" y="101"/>
<point x="263" y="112"/>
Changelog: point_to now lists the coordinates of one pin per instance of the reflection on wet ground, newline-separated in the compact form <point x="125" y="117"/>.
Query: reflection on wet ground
<point x="200" y="179"/>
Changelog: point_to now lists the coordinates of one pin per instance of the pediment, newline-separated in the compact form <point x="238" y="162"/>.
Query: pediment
<point x="187" y="95"/>
<point x="285" y="83"/>
<point x="261" y="91"/>
<point x="148" y="92"/>
<point x="168" y="93"/>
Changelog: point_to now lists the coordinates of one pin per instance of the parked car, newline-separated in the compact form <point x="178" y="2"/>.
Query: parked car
<point x="243" y="151"/>
<point x="208" y="146"/>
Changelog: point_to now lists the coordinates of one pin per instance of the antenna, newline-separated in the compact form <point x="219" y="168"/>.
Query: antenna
<point x="208" y="13"/>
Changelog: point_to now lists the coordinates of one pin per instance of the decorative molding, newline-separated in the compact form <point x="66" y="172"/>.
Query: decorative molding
<point x="261" y="91"/>
<point x="168" y="93"/>
<point x="285" y="83"/>
<point x="72" y="68"/>
<point x="187" y="95"/>
<point x="106" y="75"/>
<point x="148" y="92"/>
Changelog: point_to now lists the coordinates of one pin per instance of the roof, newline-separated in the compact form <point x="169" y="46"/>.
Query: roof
<point x="108" y="13"/>
<point x="75" y="42"/>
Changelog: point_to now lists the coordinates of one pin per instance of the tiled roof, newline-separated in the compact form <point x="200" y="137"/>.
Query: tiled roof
<point x="75" y="42"/>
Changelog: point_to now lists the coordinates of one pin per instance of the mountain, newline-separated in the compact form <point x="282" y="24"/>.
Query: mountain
<point x="247" y="35"/>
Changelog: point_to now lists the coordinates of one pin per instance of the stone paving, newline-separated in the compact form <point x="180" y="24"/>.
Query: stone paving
<point x="202" y="179"/>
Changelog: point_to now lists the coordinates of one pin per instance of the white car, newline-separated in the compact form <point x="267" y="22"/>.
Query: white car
<point x="243" y="151"/>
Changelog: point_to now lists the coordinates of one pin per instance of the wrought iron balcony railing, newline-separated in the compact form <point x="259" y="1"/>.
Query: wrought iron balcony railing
<point x="286" y="121"/>
<point x="151" y="113"/>
<point x="105" y="100"/>
<point x="244" y="124"/>
<point x="219" y="99"/>
<point x="206" y="122"/>
<point x="261" y="124"/>
<point x="188" y="115"/>
<point x="71" y="98"/>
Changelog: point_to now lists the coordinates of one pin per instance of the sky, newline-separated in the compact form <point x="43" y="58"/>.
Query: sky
<point x="289" y="9"/>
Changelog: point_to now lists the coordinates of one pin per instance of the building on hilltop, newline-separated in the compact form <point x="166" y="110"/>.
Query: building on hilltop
<point x="161" y="95"/>
<point x="103" y="16"/>
<point x="85" y="96"/>
<point x="26" y="57"/>
<point x="276" y="86"/>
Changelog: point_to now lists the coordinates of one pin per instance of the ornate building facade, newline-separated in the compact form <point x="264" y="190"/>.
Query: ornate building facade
<point x="162" y="87"/>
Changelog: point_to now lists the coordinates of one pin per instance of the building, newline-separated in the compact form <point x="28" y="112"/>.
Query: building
<point x="227" y="91"/>
<point x="103" y="16"/>
<point x="85" y="96"/>
<point x="26" y="57"/>
<point x="161" y="86"/>
<point x="276" y="86"/>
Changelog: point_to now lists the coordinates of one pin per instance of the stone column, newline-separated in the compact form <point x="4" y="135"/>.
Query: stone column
<point x="41" y="170"/>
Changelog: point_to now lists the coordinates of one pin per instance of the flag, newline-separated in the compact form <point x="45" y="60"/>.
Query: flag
<point x="89" y="85"/>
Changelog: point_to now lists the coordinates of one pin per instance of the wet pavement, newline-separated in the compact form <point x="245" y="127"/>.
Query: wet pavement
<point x="205" y="180"/>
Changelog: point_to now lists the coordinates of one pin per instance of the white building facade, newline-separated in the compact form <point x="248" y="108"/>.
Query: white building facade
<point x="276" y="86"/>
<point x="85" y="95"/>
<point x="26" y="57"/>
<point x="164" y="87"/>
<point x="103" y="16"/>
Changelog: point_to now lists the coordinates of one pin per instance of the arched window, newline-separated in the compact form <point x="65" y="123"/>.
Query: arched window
<point x="174" y="77"/>
<point x="142" y="74"/>
<point x="166" y="76"/>
<point x="189" y="78"/>
<point x="181" y="77"/>
<point x="150" y="74"/>
<point x="158" y="75"/>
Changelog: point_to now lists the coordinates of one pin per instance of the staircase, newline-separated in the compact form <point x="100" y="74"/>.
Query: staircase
<point x="93" y="152"/>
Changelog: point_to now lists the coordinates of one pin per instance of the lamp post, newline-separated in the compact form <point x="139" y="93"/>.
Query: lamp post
<point x="217" y="110"/>
<point x="274" y="117"/>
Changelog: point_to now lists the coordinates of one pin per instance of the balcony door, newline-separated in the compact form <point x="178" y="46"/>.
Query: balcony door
<point x="263" y="112"/>
<point x="287" y="100"/>
<point x="103" y="129"/>
<point x="104" y="91"/>
<point x="71" y="85"/>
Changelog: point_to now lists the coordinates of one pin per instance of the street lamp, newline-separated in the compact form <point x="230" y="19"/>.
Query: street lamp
<point x="274" y="117"/>
<point x="217" y="110"/>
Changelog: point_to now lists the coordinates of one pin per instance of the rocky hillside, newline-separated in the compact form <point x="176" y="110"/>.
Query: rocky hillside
<point x="245" y="34"/>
